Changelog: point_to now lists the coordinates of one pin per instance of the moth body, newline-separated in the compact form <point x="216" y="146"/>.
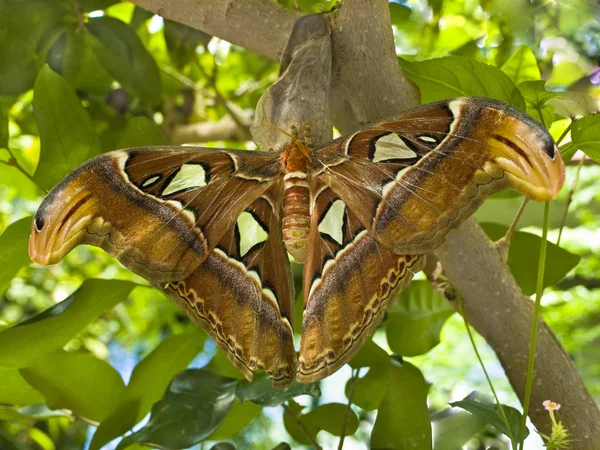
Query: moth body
<point x="296" y="201"/>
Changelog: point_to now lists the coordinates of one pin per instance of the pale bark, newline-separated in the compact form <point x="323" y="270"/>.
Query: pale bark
<point x="368" y="85"/>
<point x="261" y="26"/>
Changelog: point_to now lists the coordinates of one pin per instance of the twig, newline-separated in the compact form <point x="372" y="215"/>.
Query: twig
<point x="12" y="162"/>
<point x="569" y="200"/>
<point x="313" y="440"/>
<point x="461" y="309"/>
<point x="348" y="407"/>
<point x="212" y="78"/>
<point x="503" y="243"/>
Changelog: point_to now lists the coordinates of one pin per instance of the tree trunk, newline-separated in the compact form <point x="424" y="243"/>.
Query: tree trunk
<point x="368" y="85"/>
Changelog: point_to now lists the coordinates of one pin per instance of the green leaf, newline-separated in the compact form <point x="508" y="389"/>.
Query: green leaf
<point x="537" y="98"/>
<point x="121" y="52"/>
<point x="24" y="26"/>
<point x="141" y="131"/>
<point x="456" y="76"/>
<point x="328" y="417"/>
<point x="194" y="405"/>
<point x="399" y="13"/>
<point x="452" y="431"/>
<point x="573" y="104"/>
<point x="13" y="251"/>
<point x="139" y="17"/>
<point x="403" y="418"/>
<point x="523" y="255"/>
<point x="221" y="365"/>
<point x="15" y="390"/>
<point x="35" y="412"/>
<point x="585" y="135"/>
<point x="88" y="386"/>
<point x="148" y="382"/>
<point x="567" y="151"/>
<point x="370" y="389"/>
<point x="522" y="66"/>
<point x="291" y="424"/>
<point x="23" y="346"/>
<point x="491" y="414"/>
<point x="66" y="54"/>
<point x="369" y="355"/>
<point x="240" y="415"/>
<point x="415" y="320"/>
<point x="262" y="392"/>
<point x="182" y="42"/>
<point x="66" y="132"/>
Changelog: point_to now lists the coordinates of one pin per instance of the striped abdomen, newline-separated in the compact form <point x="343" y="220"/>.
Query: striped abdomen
<point x="296" y="214"/>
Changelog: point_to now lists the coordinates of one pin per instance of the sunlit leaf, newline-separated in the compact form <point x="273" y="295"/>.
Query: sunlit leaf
<point x="66" y="131"/>
<point x="121" y="52"/>
<point x="522" y="66"/>
<point x="35" y="412"/>
<point x="15" y="390"/>
<point x="192" y="408"/>
<point x="573" y="104"/>
<point x="86" y="385"/>
<point x="13" y="250"/>
<point x="141" y="131"/>
<point x="524" y="254"/>
<point x="22" y="346"/>
<point x="415" y="320"/>
<point x="262" y="392"/>
<point x="456" y="76"/>
<point x="537" y="98"/>
<point x="148" y="382"/>
<point x="403" y="418"/>
<point x="585" y="135"/>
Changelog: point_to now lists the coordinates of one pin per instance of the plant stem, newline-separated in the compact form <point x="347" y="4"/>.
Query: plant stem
<point x="348" y="409"/>
<point x="534" y="324"/>
<point x="312" y="439"/>
<point x="487" y="376"/>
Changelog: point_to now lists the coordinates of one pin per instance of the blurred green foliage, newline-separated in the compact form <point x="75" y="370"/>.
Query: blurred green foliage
<point x="81" y="77"/>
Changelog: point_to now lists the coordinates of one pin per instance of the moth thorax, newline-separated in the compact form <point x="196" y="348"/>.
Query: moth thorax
<point x="296" y="216"/>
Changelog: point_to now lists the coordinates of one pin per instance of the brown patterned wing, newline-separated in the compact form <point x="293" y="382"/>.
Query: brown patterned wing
<point x="158" y="211"/>
<point x="411" y="179"/>
<point x="349" y="281"/>
<point x="242" y="294"/>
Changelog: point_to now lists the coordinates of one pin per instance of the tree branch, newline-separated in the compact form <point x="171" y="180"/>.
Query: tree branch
<point x="261" y="26"/>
